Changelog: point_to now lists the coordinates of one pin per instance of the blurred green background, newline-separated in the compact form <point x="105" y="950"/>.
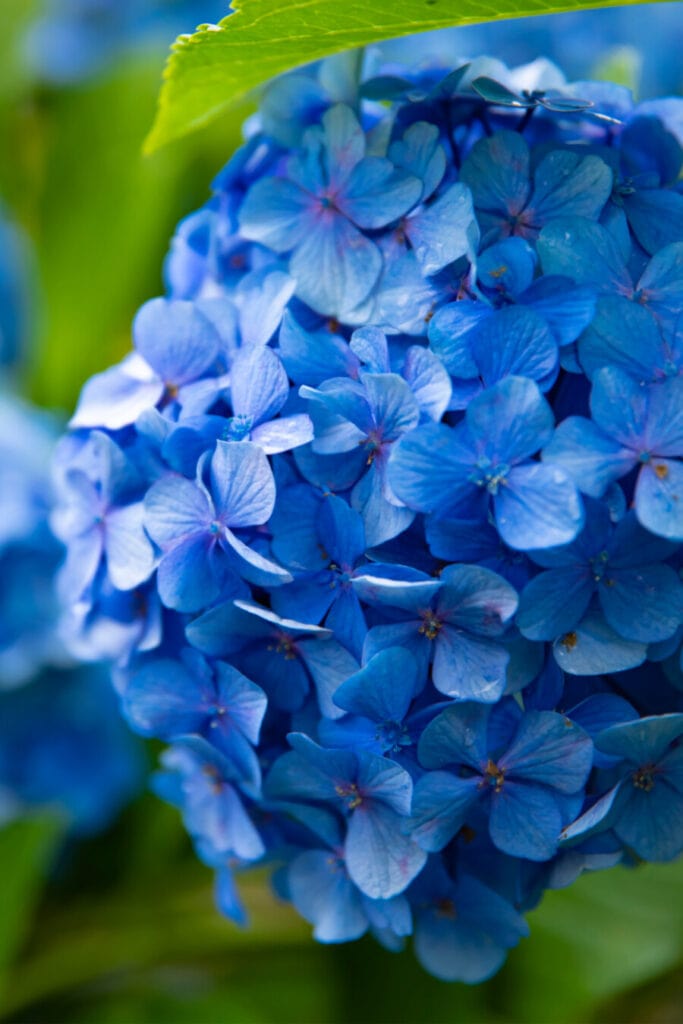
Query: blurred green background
<point x="122" y="928"/>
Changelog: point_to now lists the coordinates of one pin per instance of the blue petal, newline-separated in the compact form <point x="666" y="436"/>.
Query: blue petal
<point x="497" y="171"/>
<point x="554" y="603"/>
<point x="342" y="530"/>
<point x="429" y="469"/>
<point x="475" y="599"/>
<point x="177" y="341"/>
<point x="514" y="341"/>
<point x="382" y="519"/>
<point x="658" y="498"/>
<point x="252" y="565"/>
<point x="116" y="397"/>
<point x="591" y="458"/>
<point x="622" y="334"/>
<point x="175" y="508"/>
<point x="525" y="821"/>
<point x="347" y="621"/>
<point x="335" y="266"/>
<point x="310" y="357"/>
<point x="405" y="300"/>
<point x="655" y="216"/>
<point x="456" y="736"/>
<point x="428" y="380"/>
<point x="643" y="604"/>
<point x="329" y="665"/>
<point x="445" y="231"/>
<point x="585" y="252"/>
<point x="449" y="335"/>
<point x="420" y="153"/>
<point x="370" y="347"/>
<point x="380" y="859"/>
<point x="661" y="285"/>
<point x="244" y="701"/>
<point x="283" y="434"/>
<point x="378" y="193"/>
<point x="467" y="667"/>
<point x="276" y="213"/>
<point x="651" y="823"/>
<point x="539" y="508"/>
<point x="511" y="420"/>
<point x="242" y="484"/>
<point x="441" y="802"/>
<point x="643" y="741"/>
<point x="550" y="749"/>
<point x="130" y="556"/>
<point x="409" y="589"/>
<point x="323" y="894"/>
<point x="566" y="309"/>
<point x="568" y="185"/>
<point x="383" y="689"/>
<point x="262" y="296"/>
<point x="393" y="405"/>
<point x="186" y="578"/>
<point x="258" y="384"/>
<point x="593" y="648"/>
<point x="507" y="266"/>
<point x="163" y="699"/>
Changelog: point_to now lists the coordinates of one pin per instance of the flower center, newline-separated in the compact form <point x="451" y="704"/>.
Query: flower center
<point x="494" y="775"/>
<point x="348" y="791"/>
<point x="489" y="476"/>
<point x="643" y="778"/>
<point x="431" y="625"/>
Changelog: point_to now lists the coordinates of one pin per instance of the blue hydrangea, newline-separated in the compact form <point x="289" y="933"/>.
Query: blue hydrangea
<point x="381" y="518"/>
<point x="63" y="745"/>
<point x="72" y="40"/>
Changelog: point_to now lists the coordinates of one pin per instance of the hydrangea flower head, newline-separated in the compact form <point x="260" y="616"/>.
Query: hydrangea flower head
<point x="381" y="520"/>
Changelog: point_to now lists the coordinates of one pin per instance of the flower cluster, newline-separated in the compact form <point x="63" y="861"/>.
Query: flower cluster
<point x="62" y="742"/>
<point x="382" y="518"/>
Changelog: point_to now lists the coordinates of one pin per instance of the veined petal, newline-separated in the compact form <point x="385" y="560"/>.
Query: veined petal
<point x="549" y="748"/>
<point x="659" y="498"/>
<point x="242" y="484"/>
<point x="253" y="566"/>
<point x="539" y="507"/>
<point x="445" y="231"/>
<point x="469" y="667"/>
<point x="378" y="193"/>
<point x="175" y="508"/>
<point x="186" y="578"/>
<point x="554" y="603"/>
<point x="276" y="213"/>
<point x="380" y="859"/>
<point x="176" y="339"/>
<point x="130" y="556"/>
<point x="591" y="458"/>
<point x="335" y="266"/>
<point x="441" y="802"/>
<point x="525" y="821"/>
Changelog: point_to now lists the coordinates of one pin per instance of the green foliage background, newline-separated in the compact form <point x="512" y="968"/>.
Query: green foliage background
<point x="122" y="929"/>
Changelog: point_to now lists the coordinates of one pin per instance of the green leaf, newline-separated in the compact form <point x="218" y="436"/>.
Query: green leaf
<point x="26" y="849"/>
<point x="607" y="932"/>
<point x="219" y="64"/>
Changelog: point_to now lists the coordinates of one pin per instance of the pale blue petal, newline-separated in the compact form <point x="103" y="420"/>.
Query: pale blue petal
<point x="380" y="859"/>
<point x="445" y="231"/>
<point x="538" y="508"/>
<point x="242" y="484"/>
